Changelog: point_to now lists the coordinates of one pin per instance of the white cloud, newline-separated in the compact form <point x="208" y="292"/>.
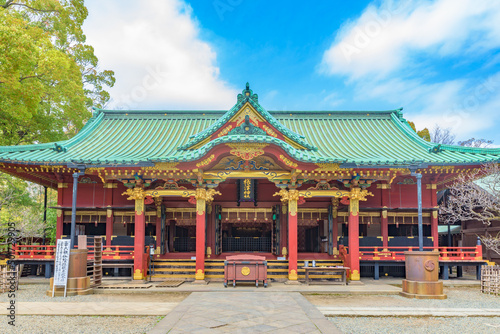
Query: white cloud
<point x="463" y="107"/>
<point x="385" y="38"/>
<point x="385" y="54"/>
<point x="158" y="56"/>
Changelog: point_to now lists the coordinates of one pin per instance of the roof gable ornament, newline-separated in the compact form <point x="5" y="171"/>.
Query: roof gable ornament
<point x="248" y="121"/>
<point x="247" y="94"/>
<point x="247" y="128"/>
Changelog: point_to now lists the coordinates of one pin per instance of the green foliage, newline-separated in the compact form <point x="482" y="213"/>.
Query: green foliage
<point x="22" y="203"/>
<point x="49" y="78"/>
<point x="424" y="133"/>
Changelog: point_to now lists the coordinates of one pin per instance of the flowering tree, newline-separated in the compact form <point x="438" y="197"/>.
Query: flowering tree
<point x="476" y="196"/>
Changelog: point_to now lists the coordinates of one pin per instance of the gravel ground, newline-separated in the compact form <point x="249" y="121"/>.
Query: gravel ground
<point x="458" y="297"/>
<point x="432" y="325"/>
<point x="79" y="324"/>
<point x="36" y="293"/>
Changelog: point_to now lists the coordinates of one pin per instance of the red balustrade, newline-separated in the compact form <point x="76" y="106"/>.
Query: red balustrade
<point x="48" y="252"/>
<point x="34" y="251"/>
<point x="397" y="253"/>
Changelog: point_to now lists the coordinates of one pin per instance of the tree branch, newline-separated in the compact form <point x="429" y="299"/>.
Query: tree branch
<point x="10" y="3"/>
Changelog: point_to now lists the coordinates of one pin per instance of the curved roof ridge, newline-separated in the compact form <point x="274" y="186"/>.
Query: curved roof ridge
<point x="247" y="96"/>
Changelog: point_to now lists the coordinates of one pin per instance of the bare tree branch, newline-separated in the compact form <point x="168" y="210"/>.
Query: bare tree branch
<point x="475" y="196"/>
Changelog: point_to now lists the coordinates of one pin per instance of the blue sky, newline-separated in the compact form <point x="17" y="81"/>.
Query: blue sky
<point x="439" y="60"/>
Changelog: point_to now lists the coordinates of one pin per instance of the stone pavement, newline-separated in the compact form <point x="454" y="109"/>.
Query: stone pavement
<point x="334" y="311"/>
<point x="90" y="308"/>
<point x="245" y="312"/>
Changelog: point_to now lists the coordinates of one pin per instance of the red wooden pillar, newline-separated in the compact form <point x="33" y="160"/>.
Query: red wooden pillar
<point x="158" y="203"/>
<point x="434" y="217"/>
<point x="293" y="196"/>
<point x="384" y="227"/>
<point x="335" y="228"/>
<point x="59" y="223"/>
<point x="434" y="229"/>
<point x="139" y="234"/>
<point x="201" y="196"/>
<point x="60" y="213"/>
<point x="354" y="238"/>
<point x="108" y="191"/>
<point x="109" y="226"/>
<point x="384" y="221"/>
<point x="335" y="231"/>
<point x="158" y="230"/>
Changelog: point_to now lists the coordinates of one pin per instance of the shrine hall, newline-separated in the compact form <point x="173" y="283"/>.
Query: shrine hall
<point x="195" y="186"/>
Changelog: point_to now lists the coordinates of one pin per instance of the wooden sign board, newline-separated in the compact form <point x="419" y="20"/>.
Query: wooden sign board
<point x="61" y="265"/>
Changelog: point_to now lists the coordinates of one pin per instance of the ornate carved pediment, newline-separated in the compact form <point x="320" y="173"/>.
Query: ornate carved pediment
<point x="247" y="151"/>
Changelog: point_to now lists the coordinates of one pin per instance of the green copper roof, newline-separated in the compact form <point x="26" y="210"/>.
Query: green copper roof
<point x="363" y="138"/>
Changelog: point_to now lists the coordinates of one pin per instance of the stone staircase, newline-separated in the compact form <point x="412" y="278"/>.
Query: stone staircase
<point x="277" y="270"/>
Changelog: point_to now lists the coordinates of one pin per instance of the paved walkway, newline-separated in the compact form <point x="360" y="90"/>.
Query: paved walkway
<point x="90" y="308"/>
<point x="332" y="311"/>
<point x="245" y="312"/>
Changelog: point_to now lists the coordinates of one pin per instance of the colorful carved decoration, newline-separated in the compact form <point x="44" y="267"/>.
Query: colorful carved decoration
<point x="162" y="166"/>
<point x="225" y="131"/>
<point x="322" y="185"/>
<point x="138" y="195"/>
<point x="269" y="130"/>
<point x="200" y="275"/>
<point x="203" y="197"/>
<point x="247" y="151"/>
<point x="332" y="168"/>
<point x="206" y="161"/>
<point x="247" y="128"/>
<point x="290" y="197"/>
<point x="287" y="161"/>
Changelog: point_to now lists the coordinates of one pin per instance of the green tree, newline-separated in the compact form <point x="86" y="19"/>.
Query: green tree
<point x="49" y="77"/>
<point x="424" y="133"/>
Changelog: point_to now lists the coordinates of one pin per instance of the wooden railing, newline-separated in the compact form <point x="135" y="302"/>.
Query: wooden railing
<point x="33" y="251"/>
<point x="397" y="253"/>
<point x="48" y="251"/>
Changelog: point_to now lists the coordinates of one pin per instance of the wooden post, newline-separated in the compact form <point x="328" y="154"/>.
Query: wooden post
<point x="292" y="234"/>
<point x="158" y="229"/>
<point x="59" y="223"/>
<point x="109" y="226"/>
<point x="434" y="229"/>
<point x="384" y="227"/>
<point x="354" y="238"/>
<point x="200" y="232"/>
<point x="335" y="229"/>
<point x="137" y="194"/>
<point x="434" y="218"/>
<point x="108" y="191"/>
<point x="60" y="213"/>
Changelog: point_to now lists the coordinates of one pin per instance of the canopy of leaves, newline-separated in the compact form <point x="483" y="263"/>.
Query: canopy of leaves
<point x="49" y="78"/>
<point x="424" y="133"/>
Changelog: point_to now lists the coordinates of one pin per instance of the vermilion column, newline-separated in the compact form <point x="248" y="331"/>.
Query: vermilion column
<point x="60" y="213"/>
<point x="59" y="224"/>
<point x="203" y="197"/>
<point x="293" y="196"/>
<point x="158" y="230"/>
<point x="108" y="190"/>
<point x="434" y="229"/>
<point x="384" y="221"/>
<point x="140" y="231"/>
<point x="109" y="226"/>
<point x="200" y="233"/>
<point x="354" y="238"/>
<point x="335" y="228"/>
<point x="384" y="227"/>
<point x="434" y="217"/>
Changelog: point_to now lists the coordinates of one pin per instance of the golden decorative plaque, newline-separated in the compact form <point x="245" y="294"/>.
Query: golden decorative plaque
<point x="245" y="271"/>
